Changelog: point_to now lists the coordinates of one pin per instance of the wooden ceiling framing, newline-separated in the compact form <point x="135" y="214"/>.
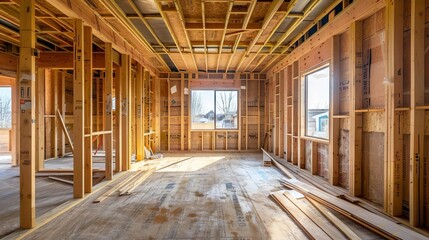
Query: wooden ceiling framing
<point x="181" y="35"/>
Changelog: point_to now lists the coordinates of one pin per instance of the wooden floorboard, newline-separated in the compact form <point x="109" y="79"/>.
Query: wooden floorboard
<point x="214" y="196"/>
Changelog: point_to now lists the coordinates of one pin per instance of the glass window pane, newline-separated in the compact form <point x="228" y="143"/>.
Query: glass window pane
<point x="317" y="103"/>
<point x="202" y="109"/>
<point x="226" y="110"/>
<point x="5" y="107"/>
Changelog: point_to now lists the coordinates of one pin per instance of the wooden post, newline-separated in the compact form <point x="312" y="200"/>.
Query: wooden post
<point x="182" y="112"/>
<point x="125" y="105"/>
<point x="78" y="111"/>
<point x="87" y="54"/>
<point x="27" y="140"/>
<point x="118" y="120"/>
<point x="355" y="140"/>
<point x="334" y="123"/>
<point x="393" y="164"/>
<point x="156" y="111"/>
<point x="108" y="120"/>
<point x="40" y="118"/>
<point x="55" y="79"/>
<point x="61" y="108"/>
<point x="139" y="116"/>
<point x="281" y="126"/>
<point x="417" y="116"/>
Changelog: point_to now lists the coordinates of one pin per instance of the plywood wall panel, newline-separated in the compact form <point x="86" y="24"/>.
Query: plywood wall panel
<point x="373" y="166"/>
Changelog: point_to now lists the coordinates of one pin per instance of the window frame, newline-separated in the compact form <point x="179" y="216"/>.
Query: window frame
<point x="215" y="128"/>
<point x="305" y="100"/>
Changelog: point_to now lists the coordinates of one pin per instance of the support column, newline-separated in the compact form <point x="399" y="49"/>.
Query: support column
<point x="87" y="54"/>
<point x="27" y="140"/>
<point x="78" y="111"/>
<point x="417" y="116"/>
<point x="108" y="120"/>
<point x="139" y="116"/>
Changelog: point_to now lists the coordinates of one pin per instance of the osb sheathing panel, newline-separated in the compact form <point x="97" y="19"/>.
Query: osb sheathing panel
<point x="426" y="178"/>
<point x="178" y="61"/>
<point x="254" y="62"/>
<point x="224" y="59"/>
<point x="207" y="141"/>
<point x="247" y="60"/>
<point x="196" y="35"/>
<point x="177" y="28"/>
<point x="248" y="36"/>
<point x="216" y="10"/>
<point x="270" y="27"/>
<point x="263" y="63"/>
<point x="191" y="8"/>
<point x="214" y="35"/>
<point x="260" y="11"/>
<point x="220" y="140"/>
<point x="201" y="61"/>
<point x="322" y="160"/>
<point x="373" y="122"/>
<point x="343" y="159"/>
<point x="373" y="35"/>
<point x="196" y="140"/>
<point x="319" y="55"/>
<point x="212" y="61"/>
<point x="407" y="70"/>
<point x="236" y="59"/>
<point x="406" y="170"/>
<point x="373" y="166"/>
<point x="190" y="61"/>
<point x="230" y="38"/>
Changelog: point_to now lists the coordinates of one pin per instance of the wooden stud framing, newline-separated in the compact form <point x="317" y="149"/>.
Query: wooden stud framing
<point x="334" y="128"/>
<point x="40" y="118"/>
<point x="139" y="116"/>
<point x="417" y="116"/>
<point x="87" y="54"/>
<point x="55" y="78"/>
<point x="125" y="105"/>
<point x="27" y="140"/>
<point x="393" y="166"/>
<point x="355" y="132"/>
<point x="61" y="109"/>
<point x="117" y="134"/>
<point x="78" y="111"/>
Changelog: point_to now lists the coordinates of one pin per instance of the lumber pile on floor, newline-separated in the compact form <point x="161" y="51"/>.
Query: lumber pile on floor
<point x="126" y="186"/>
<point x="380" y="225"/>
<point x="304" y="199"/>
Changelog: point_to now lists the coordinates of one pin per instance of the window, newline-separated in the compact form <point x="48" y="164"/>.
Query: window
<point x="212" y="109"/>
<point x="5" y="107"/>
<point x="317" y="103"/>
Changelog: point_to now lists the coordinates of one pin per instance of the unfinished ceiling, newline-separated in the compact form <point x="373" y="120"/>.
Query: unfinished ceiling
<point x="184" y="35"/>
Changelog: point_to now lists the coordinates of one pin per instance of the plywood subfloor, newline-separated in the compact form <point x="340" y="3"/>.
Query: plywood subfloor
<point x="215" y="196"/>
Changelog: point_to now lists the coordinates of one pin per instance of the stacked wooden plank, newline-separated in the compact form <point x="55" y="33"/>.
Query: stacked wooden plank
<point x="376" y="223"/>
<point x="126" y="186"/>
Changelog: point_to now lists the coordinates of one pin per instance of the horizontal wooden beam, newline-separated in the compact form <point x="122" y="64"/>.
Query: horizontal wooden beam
<point x="104" y="31"/>
<point x="64" y="60"/>
<point x="221" y="26"/>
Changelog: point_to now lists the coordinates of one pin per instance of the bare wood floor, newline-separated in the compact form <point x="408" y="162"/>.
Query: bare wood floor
<point x="191" y="196"/>
<point x="218" y="196"/>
